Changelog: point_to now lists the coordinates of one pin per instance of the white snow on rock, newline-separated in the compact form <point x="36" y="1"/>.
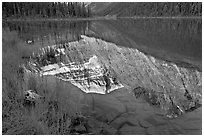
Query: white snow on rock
<point x="76" y="75"/>
<point x="54" y="69"/>
<point x="93" y="63"/>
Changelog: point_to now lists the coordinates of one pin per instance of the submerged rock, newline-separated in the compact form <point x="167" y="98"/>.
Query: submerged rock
<point x="31" y="95"/>
<point x="30" y="99"/>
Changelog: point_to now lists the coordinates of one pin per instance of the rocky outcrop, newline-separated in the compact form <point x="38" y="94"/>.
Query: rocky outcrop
<point x="89" y="75"/>
<point x="163" y="84"/>
<point x="31" y="95"/>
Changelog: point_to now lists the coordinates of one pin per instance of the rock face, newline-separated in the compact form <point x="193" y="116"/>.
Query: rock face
<point x="163" y="84"/>
<point x="89" y="75"/>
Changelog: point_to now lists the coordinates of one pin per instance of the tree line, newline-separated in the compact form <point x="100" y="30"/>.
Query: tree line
<point x="45" y="9"/>
<point x="171" y="9"/>
<point x="154" y="9"/>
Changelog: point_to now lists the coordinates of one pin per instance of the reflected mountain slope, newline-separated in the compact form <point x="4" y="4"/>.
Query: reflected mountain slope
<point x="162" y="84"/>
<point x="177" y="41"/>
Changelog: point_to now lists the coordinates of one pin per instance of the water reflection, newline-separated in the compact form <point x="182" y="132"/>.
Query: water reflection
<point x="49" y="33"/>
<point x="175" y="40"/>
<point x="87" y="74"/>
<point x="98" y="66"/>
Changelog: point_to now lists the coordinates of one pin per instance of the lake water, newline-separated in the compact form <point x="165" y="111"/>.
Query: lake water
<point x="177" y="40"/>
<point x="171" y="41"/>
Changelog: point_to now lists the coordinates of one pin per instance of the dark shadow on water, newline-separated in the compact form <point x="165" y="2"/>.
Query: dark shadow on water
<point x="46" y="33"/>
<point x="173" y="40"/>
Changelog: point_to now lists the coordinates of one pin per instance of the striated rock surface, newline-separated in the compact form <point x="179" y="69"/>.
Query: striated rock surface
<point x="89" y="74"/>
<point x="163" y="84"/>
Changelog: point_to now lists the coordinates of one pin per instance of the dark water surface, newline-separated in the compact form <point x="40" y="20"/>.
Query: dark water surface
<point x="172" y="40"/>
<point x="177" y="40"/>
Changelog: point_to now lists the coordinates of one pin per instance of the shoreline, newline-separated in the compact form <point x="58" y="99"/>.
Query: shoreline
<point x="176" y="17"/>
<point x="50" y="19"/>
<point x="98" y="18"/>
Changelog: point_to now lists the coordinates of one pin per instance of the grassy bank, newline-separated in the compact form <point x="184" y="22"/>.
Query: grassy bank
<point x="12" y="109"/>
<point x="53" y="114"/>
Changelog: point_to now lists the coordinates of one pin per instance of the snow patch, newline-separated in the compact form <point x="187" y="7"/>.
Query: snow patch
<point x="88" y="76"/>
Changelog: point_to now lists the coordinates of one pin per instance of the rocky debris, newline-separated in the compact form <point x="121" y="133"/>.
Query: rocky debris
<point x="79" y="125"/>
<point x="148" y="95"/>
<point x="31" y="95"/>
<point x="30" y="98"/>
